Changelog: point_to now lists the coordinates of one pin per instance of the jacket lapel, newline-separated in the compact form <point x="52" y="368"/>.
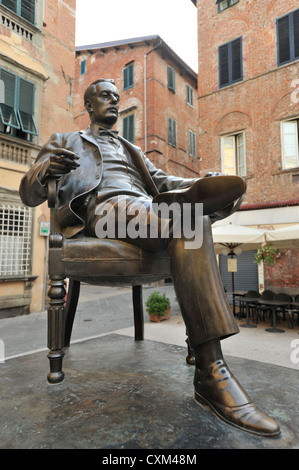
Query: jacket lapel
<point x="136" y="156"/>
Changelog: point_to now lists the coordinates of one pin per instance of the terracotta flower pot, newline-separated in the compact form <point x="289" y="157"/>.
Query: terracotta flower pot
<point x="159" y="318"/>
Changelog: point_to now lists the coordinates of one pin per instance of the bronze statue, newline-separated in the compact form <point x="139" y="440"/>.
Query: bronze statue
<point x="96" y="168"/>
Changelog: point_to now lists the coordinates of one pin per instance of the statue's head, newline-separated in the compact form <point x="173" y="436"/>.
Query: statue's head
<point x="101" y="99"/>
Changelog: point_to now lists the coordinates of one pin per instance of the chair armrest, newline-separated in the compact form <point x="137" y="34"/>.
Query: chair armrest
<point x="52" y="192"/>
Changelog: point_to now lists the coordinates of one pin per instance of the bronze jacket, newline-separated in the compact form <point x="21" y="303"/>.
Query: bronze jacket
<point x="74" y="187"/>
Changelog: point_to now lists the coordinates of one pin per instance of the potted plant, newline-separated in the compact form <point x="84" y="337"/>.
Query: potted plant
<point x="267" y="254"/>
<point x="158" y="307"/>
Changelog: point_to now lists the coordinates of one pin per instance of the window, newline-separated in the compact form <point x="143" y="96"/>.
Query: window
<point x="224" y="4"/>
<point x="128" y="76"/>
<point x="171" y="78"/>
<point x="289" y="144"/>
<point x="172" y="132"/>
<point x="16" y="108"/>
<point x="192" y="144"/>
<point x="128" y="128"/>
<point x="83" y="67"/>
<point x="15" y="239"/>
<point x="23" y="8"/>
<point x="189" y="95"/>
<point x="288" y="38"/>
<point x="230" y="62"/>
<point x="233" y="155"/>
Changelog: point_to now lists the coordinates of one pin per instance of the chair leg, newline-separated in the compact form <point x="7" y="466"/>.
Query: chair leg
<point x="56" y="323"/>
<point x="190" y="359"/>
<point x="70" y="310"/>
<point x="138" y="313"/>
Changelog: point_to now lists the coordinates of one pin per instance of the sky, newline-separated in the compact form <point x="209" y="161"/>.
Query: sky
<point x="175" y="21"/>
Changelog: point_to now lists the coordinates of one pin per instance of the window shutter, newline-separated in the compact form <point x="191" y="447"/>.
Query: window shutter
<point x="236" y="52"/>
<point x="131" y="75"/>
<point x="128" y="128"/>
<point x="131" y="128"/>
<point x="83" y="67"/>
<point x="125" y="77"/>
<point x="23" y="8"/>
<point x="283" y="31"/>
<point x="192" y="144"/>
<point x="223" y="65"/>
<point x="28" y="10"/>
<point x="11" y="4"/>
<point x="25" y="113"/>
<point x="172" y="132"/>
<point x="128" y="76"/>
<point x="296" y="33"/>
<point x="171" y="78"/>
<point x="169" y="131"/>
<point x="8" y="109"/>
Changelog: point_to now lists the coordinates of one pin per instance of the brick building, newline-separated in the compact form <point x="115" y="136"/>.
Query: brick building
<point x="248" y="99"/>
<point x="37" y="67"/>
<point x="158" y="98"/>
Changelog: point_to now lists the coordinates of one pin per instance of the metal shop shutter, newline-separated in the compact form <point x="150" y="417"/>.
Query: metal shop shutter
<point x="246" y="278"/>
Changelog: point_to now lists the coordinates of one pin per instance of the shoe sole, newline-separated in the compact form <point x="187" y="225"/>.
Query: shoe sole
<point x="203" y="402"/>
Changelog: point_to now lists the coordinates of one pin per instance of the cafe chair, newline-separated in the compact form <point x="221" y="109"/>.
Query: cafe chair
<point x="264" y="309"/>
<point x="282" y="309"/>
<point x="252" y="306"/>
<point x="93" y="261"/>
<point x="291" y="312"/>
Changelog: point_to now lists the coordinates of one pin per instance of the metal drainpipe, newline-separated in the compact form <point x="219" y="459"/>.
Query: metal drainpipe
<point x="145" y="100"/>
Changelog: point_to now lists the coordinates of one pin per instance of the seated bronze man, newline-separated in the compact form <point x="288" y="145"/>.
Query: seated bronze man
<point x="97" y="168"/>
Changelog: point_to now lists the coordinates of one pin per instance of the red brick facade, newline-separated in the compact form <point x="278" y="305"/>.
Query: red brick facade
<point x="150" y="56"/>
<point x="255" y="106"/>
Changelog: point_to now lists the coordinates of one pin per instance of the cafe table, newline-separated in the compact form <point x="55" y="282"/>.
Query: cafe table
<point x="273" y="305"/>
<point x="247" y="301"/>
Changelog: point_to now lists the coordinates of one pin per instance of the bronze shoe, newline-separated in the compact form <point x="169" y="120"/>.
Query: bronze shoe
<point x="218" y="388"/>
<point x="216" y="193"/>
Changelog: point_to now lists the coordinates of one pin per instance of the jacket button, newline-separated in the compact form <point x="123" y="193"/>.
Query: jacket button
<point x="98" y="163"/>
<point x="97" y="177"/>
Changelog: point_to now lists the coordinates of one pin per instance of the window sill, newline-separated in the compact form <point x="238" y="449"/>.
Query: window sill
<point x="284" y="171"/>
<point x="18" y="278"/>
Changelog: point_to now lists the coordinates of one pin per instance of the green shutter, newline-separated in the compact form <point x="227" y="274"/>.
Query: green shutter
<point x="8" y="112"/>
<point x="25" y="112"/>
<point x="128" y="128"/>
<point x="24" y="8"/>
<point x="171" y="78"/>
<point x="172" y="132"/>
<point x="128" y="76"/>
<point x="28" y="10"/>
<point x="83" y="67"/>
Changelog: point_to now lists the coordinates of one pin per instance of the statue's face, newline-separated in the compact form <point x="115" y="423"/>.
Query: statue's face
<point x="104" y="105"/>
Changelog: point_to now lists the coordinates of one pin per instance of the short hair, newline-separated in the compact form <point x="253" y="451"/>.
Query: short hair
<point x="92" y="88"/>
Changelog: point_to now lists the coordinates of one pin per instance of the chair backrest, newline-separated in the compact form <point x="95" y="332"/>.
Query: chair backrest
<point x="297" y="298"/>
<point x="284" y="296"/>
<point x="252" y="293"/>
<point x="268" y="295"/>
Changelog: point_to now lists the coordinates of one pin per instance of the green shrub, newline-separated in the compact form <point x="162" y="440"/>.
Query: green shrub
<point x="157" y="304"/>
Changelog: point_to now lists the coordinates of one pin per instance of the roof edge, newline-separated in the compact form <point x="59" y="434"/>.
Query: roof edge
<point x="160" y="43"/>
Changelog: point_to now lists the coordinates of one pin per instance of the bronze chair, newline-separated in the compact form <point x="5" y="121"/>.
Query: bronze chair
<point x="93" y="261"/>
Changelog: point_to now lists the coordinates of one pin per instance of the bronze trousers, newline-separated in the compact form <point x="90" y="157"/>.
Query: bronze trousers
<point x="195" y="274"/>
